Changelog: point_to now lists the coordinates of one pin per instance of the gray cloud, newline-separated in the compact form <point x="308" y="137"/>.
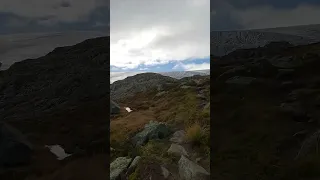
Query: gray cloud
<point x="258" y="14"/>
<point x="62" y="11"/>
<point x="158" y="31"/>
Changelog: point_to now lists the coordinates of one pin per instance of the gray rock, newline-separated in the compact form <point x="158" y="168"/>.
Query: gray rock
<point x="153" y="130"/>
<point x="178" y="150"/>
<point x="15" y="150"/>
<point x="189" y="170"/>
<point x="240" y="80"/>
<point x="198" y="159"/>
<point x="185" y="87"/>
<point x="134" y="164"/>
<point x="165" y="172"/>
<point x="118" y="166"/>
<point x="207" y="106"/>
<point x="114" y="108"/>
<point x="178" y="137"/>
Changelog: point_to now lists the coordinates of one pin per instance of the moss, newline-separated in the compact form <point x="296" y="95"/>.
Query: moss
<point x="156" y="151"/>
<point x="134" y="175"/>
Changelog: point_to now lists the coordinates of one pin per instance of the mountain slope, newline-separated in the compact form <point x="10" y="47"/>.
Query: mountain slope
<point x="60" y="98"/>
<point x="224" y="42"/>
<point x="266" y="104"/>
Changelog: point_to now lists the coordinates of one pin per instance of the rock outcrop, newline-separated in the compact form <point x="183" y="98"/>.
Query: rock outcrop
<point x="153" y="130"/>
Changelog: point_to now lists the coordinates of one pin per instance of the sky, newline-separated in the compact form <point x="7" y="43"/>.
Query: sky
<point x="259" y="14"/>
<point x="155" y="36"/>
<point x="28" y="29"/>
<point x="54" y="15"/>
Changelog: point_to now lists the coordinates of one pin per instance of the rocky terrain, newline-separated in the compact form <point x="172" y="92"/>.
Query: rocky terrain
<point x="58" y="99"/>
<point x="266" y="113"/>
<point x="167" y="133"/>
<point x="224" y="42"/>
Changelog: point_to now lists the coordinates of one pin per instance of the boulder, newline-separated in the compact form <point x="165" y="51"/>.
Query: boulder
<point x="118" y="167"/>
<point x="165" y="172"/>
<point x="133" y="164"/>
<point x="114" y="108"/>
<point x="178" y="150"/>
<point x="189" y="170"/>
<point x="153" y="130"/>
<point x="15" y="150"/>
<point x="178" y="137"/>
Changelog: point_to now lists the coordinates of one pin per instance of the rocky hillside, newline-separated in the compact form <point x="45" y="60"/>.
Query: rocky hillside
<point x="58" y="99"/>
<point x="139" y="83"/>
<point x="224" y="42"/>
<point x="266" y="113"/>
<point x="66" y="77"/>
<point x="166" y="133"/>
<point x="115" y="76"/>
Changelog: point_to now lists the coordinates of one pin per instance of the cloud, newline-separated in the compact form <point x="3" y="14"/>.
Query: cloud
<point x="151" y="32"/>
<point x="192" y="66"/>
<point x="268" y="16"/>
<point x="259" y="14"/>
<point x="59" y="11"/>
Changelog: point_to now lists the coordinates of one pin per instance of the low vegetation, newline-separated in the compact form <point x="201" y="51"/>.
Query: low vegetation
<point x="179" y="108"/>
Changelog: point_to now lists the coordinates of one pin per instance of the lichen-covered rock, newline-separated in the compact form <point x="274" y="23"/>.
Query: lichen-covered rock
<point x="189" y="170"/>
<point x="118" y="166"/>
<point x="178" y="150"/>
<point x="153" y="130"/>
<point x="133" y="164"/>
<point x="178" y="137"/>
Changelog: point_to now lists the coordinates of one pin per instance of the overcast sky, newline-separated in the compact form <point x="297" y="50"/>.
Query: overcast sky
<point x="17" y="16"/>
<point x="22" y="24"/>
<point x="253" y="14"/>
<point x="153" y="35"/>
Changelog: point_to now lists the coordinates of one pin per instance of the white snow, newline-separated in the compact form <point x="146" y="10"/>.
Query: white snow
<point x="128" y="109"/>
<point x="58" y="151"/>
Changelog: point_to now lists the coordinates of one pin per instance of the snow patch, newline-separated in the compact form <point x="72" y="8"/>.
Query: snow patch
<point x="58" y="151"/>
<point x="128" y="109"/>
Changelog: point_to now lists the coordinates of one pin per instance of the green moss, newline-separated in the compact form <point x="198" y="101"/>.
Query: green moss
<point x="134" y="175"/>
<point x="156" y="151"/>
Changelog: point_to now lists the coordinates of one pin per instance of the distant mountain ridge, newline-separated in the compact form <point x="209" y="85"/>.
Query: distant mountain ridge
<point x="115" y="76"/>
<point x="141" y="82"/>
<point x="224" y="42"/>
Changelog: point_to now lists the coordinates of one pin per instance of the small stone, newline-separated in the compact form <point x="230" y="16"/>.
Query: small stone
<point x="165" y="172"/>
<point x="185" y="87"/>
<point x="178" y="137"/>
